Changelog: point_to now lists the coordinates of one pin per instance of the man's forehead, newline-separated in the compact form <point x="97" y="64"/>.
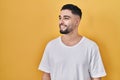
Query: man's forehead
<point x="66" y="12"/>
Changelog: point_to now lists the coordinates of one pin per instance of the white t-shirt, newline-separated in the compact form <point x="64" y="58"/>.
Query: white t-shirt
<point x="79" y="62"/>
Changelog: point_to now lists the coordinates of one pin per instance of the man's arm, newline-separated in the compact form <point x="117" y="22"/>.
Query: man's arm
<point x="96" y="78"/>
<point x="46" y="76"/>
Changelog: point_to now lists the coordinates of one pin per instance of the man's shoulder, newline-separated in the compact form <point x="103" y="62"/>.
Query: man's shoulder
<point x="53" y="41"/>
<point x="89" y="42"/>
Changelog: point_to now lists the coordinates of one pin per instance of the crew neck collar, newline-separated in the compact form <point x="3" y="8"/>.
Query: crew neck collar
<point x="61" y="42"/>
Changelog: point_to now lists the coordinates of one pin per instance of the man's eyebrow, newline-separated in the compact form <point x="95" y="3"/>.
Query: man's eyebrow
<point x="67" y="16"/>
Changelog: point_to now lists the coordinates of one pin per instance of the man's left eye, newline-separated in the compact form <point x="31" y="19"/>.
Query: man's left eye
<point x="66" y="18"/>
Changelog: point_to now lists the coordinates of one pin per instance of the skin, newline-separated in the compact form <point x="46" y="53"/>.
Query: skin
<point x="69" y="22"/>
<point x="46" y="76"/>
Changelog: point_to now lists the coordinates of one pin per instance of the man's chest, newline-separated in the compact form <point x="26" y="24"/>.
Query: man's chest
<point x="78" y="57"/>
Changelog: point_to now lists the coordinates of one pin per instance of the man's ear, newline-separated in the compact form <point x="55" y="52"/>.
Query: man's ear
<point x="77" y="20"/>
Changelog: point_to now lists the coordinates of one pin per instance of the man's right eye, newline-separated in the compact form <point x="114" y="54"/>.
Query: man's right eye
<point x="59" y="18"/>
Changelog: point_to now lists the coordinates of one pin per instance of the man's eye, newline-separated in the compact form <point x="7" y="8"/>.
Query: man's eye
<point x="59" y="18"/>
<point x="66" y="18"/>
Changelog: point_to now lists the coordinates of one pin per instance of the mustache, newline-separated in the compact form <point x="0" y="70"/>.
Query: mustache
<point x="62" y="25"/>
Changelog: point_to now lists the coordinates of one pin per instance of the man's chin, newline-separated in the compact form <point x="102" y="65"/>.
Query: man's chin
<point x="64" y="32"/>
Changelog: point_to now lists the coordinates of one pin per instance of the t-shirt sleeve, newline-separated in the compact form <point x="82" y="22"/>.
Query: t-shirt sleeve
<point x="96" y="65"/>
<point x="44" y="64"/>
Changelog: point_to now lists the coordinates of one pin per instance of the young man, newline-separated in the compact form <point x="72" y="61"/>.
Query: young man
<point x="71" y="56"/>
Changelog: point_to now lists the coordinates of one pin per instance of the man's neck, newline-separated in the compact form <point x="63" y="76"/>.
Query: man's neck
<point x="71" y="39"/>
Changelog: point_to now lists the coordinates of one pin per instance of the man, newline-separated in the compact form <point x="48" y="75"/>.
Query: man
<point x="71" y="56"/>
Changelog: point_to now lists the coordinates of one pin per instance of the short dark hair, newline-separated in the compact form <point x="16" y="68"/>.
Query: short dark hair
<point x="74" y="9"/>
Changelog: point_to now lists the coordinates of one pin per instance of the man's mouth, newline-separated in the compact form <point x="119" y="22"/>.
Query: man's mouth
<point x="63" y="27"/>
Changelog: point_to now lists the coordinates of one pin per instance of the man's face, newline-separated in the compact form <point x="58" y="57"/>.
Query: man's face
<point x="67" y="21"/>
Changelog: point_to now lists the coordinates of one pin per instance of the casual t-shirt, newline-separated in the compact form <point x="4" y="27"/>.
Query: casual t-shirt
<point x="79" y="62"/>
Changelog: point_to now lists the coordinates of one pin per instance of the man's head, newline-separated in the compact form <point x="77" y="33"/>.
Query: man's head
<point x="69" y="18"/>
<point x="73" y="8"/>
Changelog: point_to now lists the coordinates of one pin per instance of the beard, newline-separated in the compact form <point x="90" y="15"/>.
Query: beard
<point x="64" y="31"/>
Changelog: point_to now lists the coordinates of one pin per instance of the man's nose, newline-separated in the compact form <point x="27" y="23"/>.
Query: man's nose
<point x="61" y="21"/>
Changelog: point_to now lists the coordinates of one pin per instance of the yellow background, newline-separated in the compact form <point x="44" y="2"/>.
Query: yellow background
<point x="27" y="25"/>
